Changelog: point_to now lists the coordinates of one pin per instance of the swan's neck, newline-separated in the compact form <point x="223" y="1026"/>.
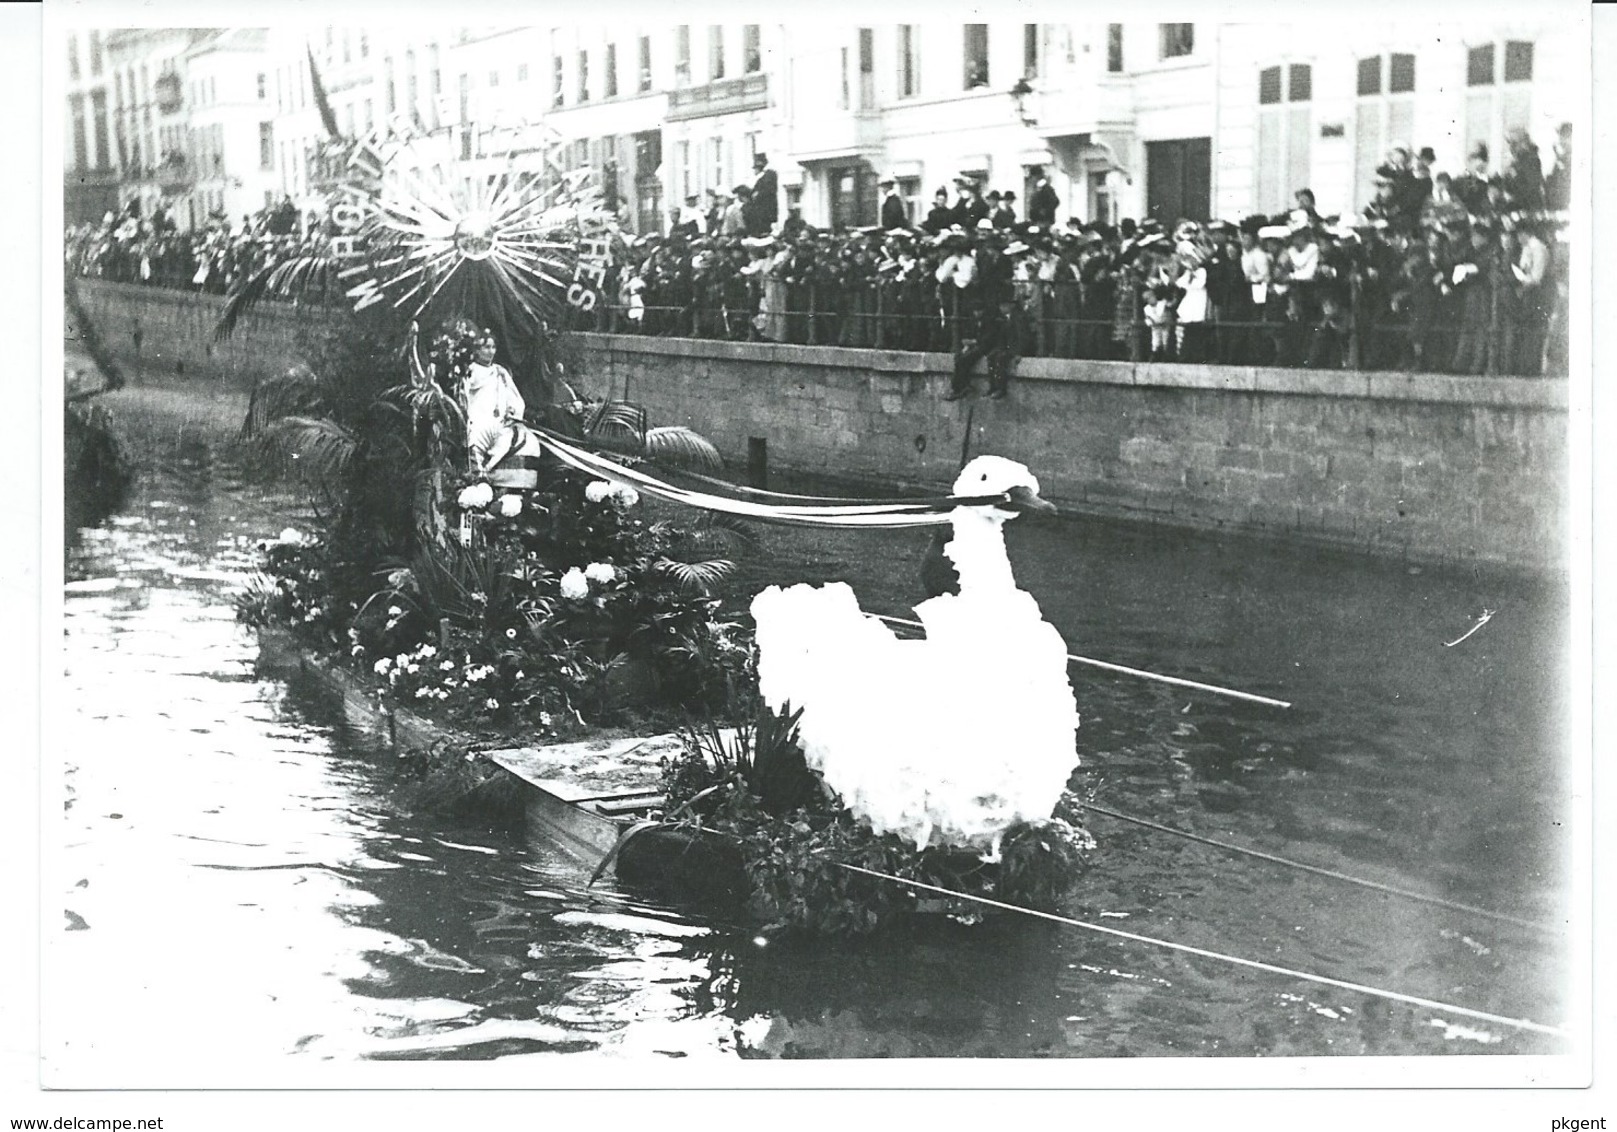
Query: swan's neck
<point x="978" y="552"/>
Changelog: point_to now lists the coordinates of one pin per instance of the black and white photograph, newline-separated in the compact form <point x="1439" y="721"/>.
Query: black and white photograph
<point x="592" y="552"/>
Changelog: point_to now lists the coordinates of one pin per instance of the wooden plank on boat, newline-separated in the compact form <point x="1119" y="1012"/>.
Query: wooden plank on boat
<point x="593" y="768"/>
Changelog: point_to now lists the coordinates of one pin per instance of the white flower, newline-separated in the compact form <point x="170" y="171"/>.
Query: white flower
<point x="291" y="536"/>
<point x="510" y="506"/>
<point x="420" y="693"/>
<point x="544" y="719"/>
<point x="446" y="665"/>
<point x="356" y="650"/>
<point x="399" y="578"/>
<point x="427" y="650"/>
<point x="394" y="611"/>
<point x="598" y="491"/>
<point x="491" y="703"/>
<point x="521" y="675"/>
<point x="383" y="665"/>
<point x="574" y="586"/>
<point x="625" y="496"/>
<point x="412" y="667"/>
<point x="510" y="634"/>
<point x="601" y="573"/>
<point x="476" y="497"/>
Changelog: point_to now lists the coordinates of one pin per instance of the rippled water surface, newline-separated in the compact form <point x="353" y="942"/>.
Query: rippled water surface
<point x="240" y="887"/>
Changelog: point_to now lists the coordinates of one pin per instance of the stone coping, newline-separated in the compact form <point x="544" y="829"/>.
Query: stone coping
<point x="1520" y="392"/>
<point x="1549" y="394"/>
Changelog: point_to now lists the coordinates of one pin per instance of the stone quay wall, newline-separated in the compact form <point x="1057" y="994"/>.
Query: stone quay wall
<point x="1423" y="467"/>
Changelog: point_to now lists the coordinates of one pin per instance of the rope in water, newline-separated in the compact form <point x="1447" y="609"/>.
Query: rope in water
<point x="1257" y="965"/>
<point x="1377" y="886"/>
<point x="1144" y="675"/>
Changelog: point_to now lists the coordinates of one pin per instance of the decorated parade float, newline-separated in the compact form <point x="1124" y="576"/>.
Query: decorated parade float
<point x="534" y="582"/>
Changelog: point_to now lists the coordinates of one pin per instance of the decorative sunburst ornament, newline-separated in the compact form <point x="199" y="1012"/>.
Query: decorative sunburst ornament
<point x="514" y="245"/>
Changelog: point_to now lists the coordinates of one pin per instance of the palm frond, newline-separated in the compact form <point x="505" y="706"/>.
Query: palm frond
<point x="696" y="577"/>
<point x="616" y="418"/>
<point x="430" y="401"/>
<point x="320" y="449"/>
<point x="295" y="393"/>
<point x="682" y="447"/>
<point x="290" y="279"/>
<point x="718" y="528"/>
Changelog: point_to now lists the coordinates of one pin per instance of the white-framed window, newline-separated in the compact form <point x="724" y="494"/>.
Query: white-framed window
<point x="715" y="157"/>
<point x="752" y="56"/>
<point x="1284" y="157"/>
<point x="1498" y="97"/>
<point x="682" y="55"/>
<point x="1114" y="49"/>
<point x="683" y="150"/>
<point x="844" y="85"/>
<point x="645" y="64"/>
<point x="557" y="95"/>
<point x="1030" y="50"/>
<point x="909" y="60"/>
<point x="583" y="76"/>
<point x="1175" y="41"/>
<point x="974" y="72"/>
<point x="611" y="78"/>
<point x="867" y="69"/>
<point x="715" y="52"/>
<point x="1383" y="117"/>
<point x="909" y="190"/>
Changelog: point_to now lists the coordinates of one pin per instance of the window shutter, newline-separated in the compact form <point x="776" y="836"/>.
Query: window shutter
<point x="1299" y="150"/>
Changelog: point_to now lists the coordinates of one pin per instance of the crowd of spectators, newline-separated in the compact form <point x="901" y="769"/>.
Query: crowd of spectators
<point x="151" y="250"/>
<point x="1464" y="274"/>
<point x="1459" y="274"/>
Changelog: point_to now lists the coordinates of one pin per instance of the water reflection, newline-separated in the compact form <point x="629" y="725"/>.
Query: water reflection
<point x="238" y="886"/>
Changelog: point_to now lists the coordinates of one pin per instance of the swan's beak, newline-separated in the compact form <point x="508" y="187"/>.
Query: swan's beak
<point x="1024" y="501"/>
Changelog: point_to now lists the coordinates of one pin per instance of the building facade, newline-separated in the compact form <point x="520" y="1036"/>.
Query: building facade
<point x="1126" y="119"/>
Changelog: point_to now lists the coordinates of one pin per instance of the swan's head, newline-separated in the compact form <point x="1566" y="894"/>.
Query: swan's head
<point x="995" y="475"/>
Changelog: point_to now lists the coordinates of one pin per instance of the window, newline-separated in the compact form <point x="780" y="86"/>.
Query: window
<point x="412" y="92"/>
<point x="95" y="53"/>
<point x="1495" y="104"/>
<point x="556" y="97"/>
<point x="1284" y="135"/>
<point x="364" y="46"/>
<point x="867" y="69"/>
<point x="715" y="52"/>
<point x="1177" y="40"/>
<point x="909" y="190"/>
<point x="266" y="145"/>
<point x="72" y="57"/>
<point x="976" y="57"/>
<point x="522" y="72"/>
<point x="752" y="56"/>
<point x="1114" y="48"/>
<point x="583" y="76"/>
<point x="715" y="151"/>
<point x="465" y="98"/>
<point x="682" y="55"/>
<point x="645" y="64"/>
<point x="391" y="87"/>
<point x="98" y="116"/>
<point x="1518" y="62"/>
<point x="494" y="78"/>
<point x="1030" y="51"/>
<point x="684" y="152"/>
<point x="843" y="96"/>
<point x="1383" y="118"/>
<point x="909" y="61"/>
<point x="347" y="47"/>
<point x="370" y="116"/>
<point x="611" y="71"/>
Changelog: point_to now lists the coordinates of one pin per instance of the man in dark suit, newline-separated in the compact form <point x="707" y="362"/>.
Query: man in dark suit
<point x="1042" y="205"/>
<point x="765" y="197"/>
<point x="893" y="213"/>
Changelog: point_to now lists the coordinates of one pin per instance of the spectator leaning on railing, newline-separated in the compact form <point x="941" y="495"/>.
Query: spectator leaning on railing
<point x="1465" y="275"/>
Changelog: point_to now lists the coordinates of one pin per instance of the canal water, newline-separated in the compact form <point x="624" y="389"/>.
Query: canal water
<point x="240" y="886"/>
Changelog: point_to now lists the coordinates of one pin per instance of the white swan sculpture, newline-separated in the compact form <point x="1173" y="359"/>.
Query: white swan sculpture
<point x="947" y="740"/>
